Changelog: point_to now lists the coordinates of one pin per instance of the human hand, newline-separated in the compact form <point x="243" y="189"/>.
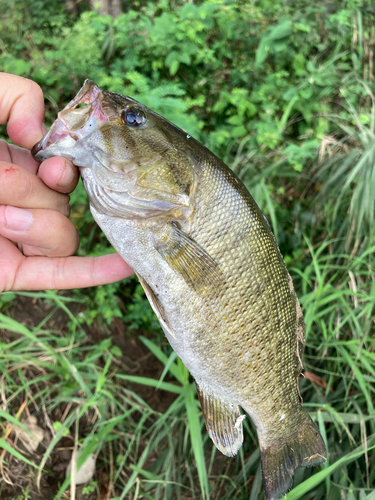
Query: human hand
<point x="36" y="237"/>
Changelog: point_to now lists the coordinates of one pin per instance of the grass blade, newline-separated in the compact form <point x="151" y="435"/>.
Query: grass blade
<point x="316" y="479"/>
<point x="196" y="438"/>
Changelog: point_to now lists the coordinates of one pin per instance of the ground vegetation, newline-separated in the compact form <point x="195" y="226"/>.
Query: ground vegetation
<point x="283" y="91"/>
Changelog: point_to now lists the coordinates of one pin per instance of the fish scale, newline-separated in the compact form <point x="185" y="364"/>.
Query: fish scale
<point x="210" y="266"/>
<point x="240" y="259"/>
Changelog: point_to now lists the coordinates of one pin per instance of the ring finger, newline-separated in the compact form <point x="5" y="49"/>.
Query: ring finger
<point x="39" y="231"/>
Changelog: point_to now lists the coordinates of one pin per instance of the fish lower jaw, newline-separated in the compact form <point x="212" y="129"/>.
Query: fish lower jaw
<point x="54" y="146"/>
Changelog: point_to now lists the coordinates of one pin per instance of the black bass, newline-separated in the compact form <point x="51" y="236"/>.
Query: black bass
<point x="209" y="264"/>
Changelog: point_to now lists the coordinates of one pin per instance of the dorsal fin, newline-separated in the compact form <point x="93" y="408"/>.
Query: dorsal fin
<point x="223" y="423"/>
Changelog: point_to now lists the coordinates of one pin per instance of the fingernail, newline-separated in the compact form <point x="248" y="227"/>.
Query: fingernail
<point x="67" y="176"/>
<point x="18" y="219"/>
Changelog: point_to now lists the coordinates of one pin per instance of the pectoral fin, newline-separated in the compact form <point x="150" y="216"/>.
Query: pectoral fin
<point x="189" y="259"/>
<point x="223" y="423"/>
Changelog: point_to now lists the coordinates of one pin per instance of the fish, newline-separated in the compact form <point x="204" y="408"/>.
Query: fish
<point x="210" y="267"/>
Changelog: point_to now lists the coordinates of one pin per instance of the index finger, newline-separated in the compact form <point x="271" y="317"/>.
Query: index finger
<point x="62" y="273"/>
<point x="22" y="106"/>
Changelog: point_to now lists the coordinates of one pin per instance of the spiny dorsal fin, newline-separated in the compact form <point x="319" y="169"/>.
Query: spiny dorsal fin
<point x="223" y="423"/>
<point x="188" y="258"/>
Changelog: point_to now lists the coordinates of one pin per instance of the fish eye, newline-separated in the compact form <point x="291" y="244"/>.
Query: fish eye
<point x="133" y="117"/>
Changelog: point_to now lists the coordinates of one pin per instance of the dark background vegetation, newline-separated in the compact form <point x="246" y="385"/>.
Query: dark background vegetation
<point x="283" y="91"/>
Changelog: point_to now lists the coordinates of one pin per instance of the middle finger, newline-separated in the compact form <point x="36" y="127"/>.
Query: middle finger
<point x="20" y="188"/>
<point x="57" y="173"/>
<point x="20" y="156"/>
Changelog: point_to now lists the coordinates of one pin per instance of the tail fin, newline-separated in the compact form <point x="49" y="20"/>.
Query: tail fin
<point x="305" y="448"/>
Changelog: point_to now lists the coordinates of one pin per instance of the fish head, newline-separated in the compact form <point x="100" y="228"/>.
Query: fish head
<point x="121" y="146"/>
<point x="101" y="122"/>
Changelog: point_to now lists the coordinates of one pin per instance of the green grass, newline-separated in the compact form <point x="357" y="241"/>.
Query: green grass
<point x="169" y="455"/>
<point x="346" y="169"/>
<point x="320" y="204"/>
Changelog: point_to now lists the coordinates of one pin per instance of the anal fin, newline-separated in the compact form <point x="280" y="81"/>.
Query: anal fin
<point x="223" y="423"/>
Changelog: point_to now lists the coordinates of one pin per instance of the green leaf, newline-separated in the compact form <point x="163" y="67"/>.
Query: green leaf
<point x="173" y="368"/>
<point x="57" y="426"/>
<point x="165" y="386"/>
<point x="174" y="67"/>
<point x="9" y="418"/>
<point x="171" y="57"/>
<point x="282" y="30"/>
<point x="236" y="120"/>
<point x="262" y="52"/>
<point x="239" y="131"/>
<point x="116" y="351"/>
<point x="184" y="57"/>
<point x="302" y="27"/>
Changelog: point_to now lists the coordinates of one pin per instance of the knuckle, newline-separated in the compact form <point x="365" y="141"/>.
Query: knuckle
<point x="34" y="89"/>
<point x="65" y="207"/>
<point x="11" y="181"/>
<point x="25" y="186"/>
<point x="67" y="242"/>
<point x="59" y="273"/>
<point x="16" y="183"/>
<point x="5" y="151"/>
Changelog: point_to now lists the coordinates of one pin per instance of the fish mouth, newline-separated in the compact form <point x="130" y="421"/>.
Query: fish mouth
<point x="73" y="122"/>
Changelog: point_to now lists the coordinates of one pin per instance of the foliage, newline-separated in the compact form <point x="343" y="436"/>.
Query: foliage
<point x="348" y="176"/>
<point x="284" y="92"/>
<point x="270" y="74"/>
<point x="283" y="71"/>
